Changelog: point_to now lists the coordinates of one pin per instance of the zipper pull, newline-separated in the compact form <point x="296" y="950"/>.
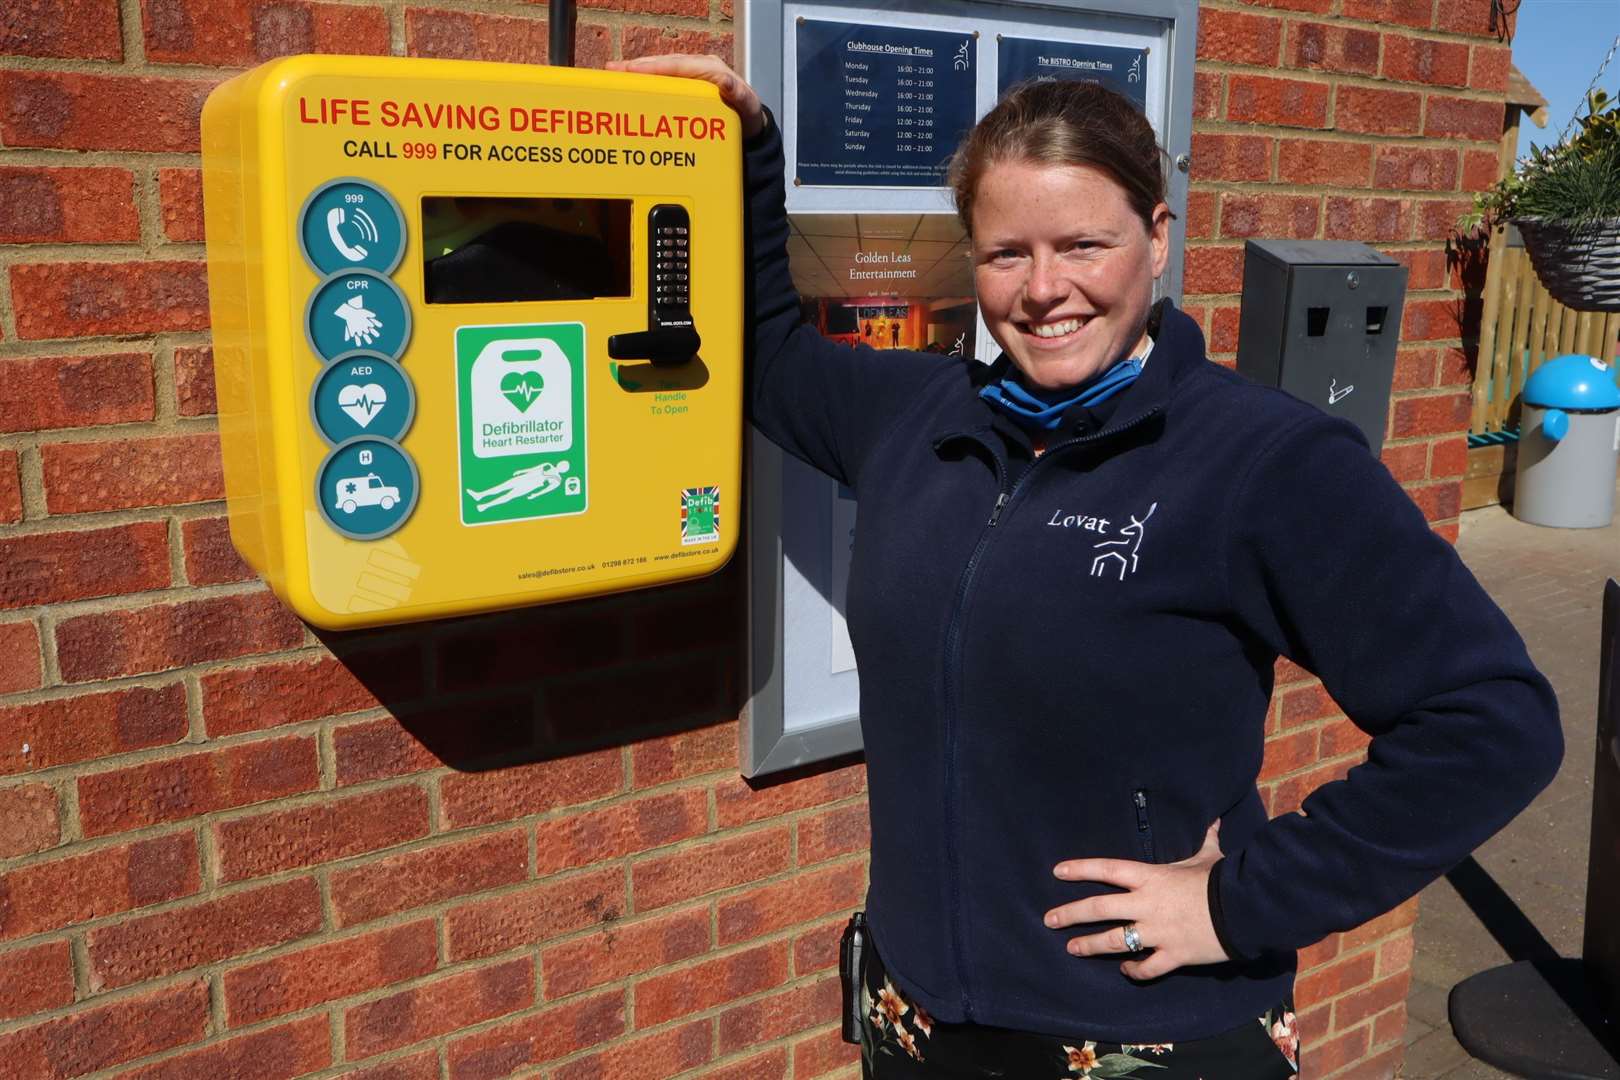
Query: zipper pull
<point x="1139" y="797"/>
<point x="995" y="511"/>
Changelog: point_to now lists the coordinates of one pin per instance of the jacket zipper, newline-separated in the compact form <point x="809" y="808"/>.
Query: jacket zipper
<point x="1144" y="824"/>
<point x="953" y="648"/>
<point x="953" y="656"/>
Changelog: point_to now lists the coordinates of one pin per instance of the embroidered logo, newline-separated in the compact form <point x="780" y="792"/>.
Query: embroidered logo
<point x="1121" y="558"/>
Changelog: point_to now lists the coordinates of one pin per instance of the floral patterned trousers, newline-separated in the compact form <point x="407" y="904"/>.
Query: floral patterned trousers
<point x="900" y="1041"/>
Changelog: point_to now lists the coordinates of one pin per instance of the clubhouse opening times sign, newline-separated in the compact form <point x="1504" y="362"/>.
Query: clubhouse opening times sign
<point x="880" y="106"/>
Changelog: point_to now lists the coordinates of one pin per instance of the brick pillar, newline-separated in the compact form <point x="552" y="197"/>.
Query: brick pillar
<point x="1368" y="120"/>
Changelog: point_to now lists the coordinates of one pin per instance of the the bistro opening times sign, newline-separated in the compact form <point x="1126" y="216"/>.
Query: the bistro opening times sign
<point x="880" y="106"/>
<point x="1118" y="69"/>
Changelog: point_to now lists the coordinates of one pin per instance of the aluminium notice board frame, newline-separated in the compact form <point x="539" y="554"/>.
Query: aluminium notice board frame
<point x="803" y="704"/>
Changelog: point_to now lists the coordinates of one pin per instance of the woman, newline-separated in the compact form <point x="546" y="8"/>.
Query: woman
<point x="1074" y="572"/>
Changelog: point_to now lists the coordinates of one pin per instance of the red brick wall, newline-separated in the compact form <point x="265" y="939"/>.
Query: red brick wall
<point x="515" y="844"/>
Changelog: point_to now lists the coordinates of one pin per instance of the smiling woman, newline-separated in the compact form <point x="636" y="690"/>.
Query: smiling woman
<point x="1074" y="571"/>
<point x="1063" y="269"/>
<point x="1061" y="188"/>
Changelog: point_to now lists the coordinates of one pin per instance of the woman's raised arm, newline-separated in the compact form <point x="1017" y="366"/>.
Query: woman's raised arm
<point x="826" y="403"/>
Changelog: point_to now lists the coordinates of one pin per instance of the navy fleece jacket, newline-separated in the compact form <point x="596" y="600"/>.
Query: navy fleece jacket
<point x="1072" y="656"/>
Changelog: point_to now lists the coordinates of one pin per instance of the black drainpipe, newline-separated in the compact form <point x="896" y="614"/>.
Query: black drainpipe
<point x="562" y="33"/>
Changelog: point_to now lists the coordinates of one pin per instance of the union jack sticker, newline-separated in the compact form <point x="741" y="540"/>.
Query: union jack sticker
<point x="700" y="515"/>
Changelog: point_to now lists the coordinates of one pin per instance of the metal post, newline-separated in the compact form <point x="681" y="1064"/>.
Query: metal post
<point x="1545" y="1015"/>
<point x="561" y="30"/>
<point x="1602" y="940"/>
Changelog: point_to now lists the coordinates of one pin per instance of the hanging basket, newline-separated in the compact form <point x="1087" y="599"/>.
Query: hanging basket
<point x="1579" y="263"/>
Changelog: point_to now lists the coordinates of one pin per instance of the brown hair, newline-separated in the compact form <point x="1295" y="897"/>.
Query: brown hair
<point x="1064" y="122"/>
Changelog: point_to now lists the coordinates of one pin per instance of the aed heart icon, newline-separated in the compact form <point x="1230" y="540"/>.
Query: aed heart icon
<point x="521" y="388"/>
<point x="362" y="403"/>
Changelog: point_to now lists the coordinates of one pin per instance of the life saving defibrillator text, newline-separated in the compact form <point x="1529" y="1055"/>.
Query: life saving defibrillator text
<point x="447" y="116"/>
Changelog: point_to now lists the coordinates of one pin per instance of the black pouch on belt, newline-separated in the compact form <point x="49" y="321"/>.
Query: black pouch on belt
<point x="851" y="973"/>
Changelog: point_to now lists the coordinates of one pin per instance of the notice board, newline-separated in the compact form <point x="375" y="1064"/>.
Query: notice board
<point x="872" y="101"/>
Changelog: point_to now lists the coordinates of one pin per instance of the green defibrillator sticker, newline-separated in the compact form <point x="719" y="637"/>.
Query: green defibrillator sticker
<point x="520" y="416"/>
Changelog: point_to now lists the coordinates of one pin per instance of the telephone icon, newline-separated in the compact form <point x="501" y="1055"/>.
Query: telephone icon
<point x="362" y="225"/>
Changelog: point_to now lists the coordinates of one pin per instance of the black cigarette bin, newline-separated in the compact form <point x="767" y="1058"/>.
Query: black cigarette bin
<point x="1321" y="319"/>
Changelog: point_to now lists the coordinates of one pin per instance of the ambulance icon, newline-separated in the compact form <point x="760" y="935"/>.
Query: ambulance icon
<point x="368" y="490"/>
<point x="367" y="487"/>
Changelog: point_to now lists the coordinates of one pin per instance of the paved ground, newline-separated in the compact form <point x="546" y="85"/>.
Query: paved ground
<point x="1549" y="581"/>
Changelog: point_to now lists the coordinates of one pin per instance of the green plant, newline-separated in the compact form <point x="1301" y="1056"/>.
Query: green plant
<point x="1576" y="179"/>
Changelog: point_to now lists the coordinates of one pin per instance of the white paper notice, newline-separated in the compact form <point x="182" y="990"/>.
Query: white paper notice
<point x="843" y="546"/>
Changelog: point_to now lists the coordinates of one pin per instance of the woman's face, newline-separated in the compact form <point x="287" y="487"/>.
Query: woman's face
<point x="1064" y="268"/>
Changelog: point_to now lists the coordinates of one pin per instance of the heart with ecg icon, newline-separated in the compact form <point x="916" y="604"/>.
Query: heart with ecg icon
<point x="362" y="403"/>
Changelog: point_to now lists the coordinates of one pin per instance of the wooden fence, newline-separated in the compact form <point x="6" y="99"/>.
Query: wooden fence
<point x="1520" y="327"/>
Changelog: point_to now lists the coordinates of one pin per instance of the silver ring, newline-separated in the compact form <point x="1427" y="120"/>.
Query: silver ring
<point x="1133" y="940"/>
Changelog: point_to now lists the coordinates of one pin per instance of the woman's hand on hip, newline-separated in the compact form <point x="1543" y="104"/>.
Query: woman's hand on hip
<point x="1167" y="905"/>
<point x="733" y="90"/>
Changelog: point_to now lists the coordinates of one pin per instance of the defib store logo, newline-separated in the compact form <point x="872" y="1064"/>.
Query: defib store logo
<point x="520" y="412"/>
<point x="700" y="515"/>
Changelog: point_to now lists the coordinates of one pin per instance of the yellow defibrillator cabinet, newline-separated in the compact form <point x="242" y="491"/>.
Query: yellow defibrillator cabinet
<point x="477" y="331"/>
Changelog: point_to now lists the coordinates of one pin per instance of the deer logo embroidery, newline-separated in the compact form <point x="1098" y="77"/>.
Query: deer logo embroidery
<point x="1123" y="558"/>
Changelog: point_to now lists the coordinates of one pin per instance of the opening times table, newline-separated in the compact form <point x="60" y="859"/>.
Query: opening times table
<point x="880" y="106"/>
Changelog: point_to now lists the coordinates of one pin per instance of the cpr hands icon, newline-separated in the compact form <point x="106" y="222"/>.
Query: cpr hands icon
<point x="359" y="325"/>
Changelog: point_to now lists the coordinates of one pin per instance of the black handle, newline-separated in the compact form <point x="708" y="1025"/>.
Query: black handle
<point x="852" y="975"/>
<point x="665" y="345"/>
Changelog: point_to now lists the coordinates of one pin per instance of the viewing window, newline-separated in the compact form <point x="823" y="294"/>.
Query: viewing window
<point x="479" y="250"/>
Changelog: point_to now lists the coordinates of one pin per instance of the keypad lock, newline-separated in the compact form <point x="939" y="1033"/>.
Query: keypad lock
<point x="670" y="337"/>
